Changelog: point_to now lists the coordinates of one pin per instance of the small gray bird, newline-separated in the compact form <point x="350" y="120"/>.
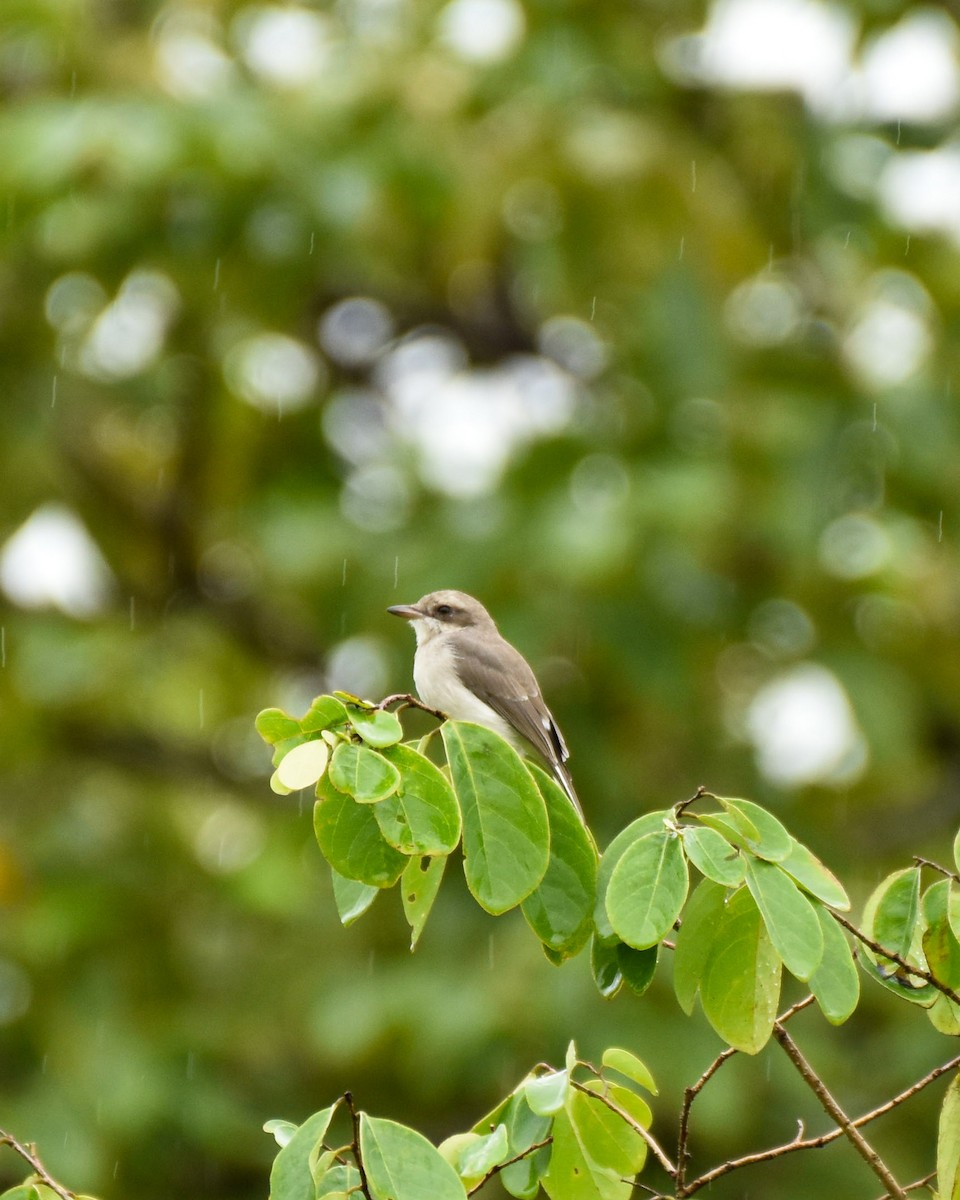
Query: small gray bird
<point x="464" y="668"/>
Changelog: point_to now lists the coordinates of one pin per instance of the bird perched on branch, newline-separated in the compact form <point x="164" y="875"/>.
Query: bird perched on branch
<point x="464" y="668"/>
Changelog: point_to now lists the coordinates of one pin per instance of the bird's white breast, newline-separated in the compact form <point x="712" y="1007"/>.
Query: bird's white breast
<point x="438" y="684"/>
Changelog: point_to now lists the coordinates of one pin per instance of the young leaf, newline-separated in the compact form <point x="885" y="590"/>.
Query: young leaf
<point x="274" y="726"/>
<point x="506" y="836"/>
<point x="638" y="967"/>
<point x="605" y="966"/>
<point x="419" y="885"/>
<point x="303" y="765"/>
<point x="788" y="915"/>
<point x="351" y="841"/>
<point x="948" y="1144"/>
<point x="942" y="952"/>
<point x="352" y="898"/>
<point x="891" y="915"/>
<point x="290" y="1177"/>
<point x="836" y="981"/>
<point x="362" y="773"/>
<point x="546" y="1094"/>
<point x="764" y="835"/>
<point x="560" y="909"/>
<point x="713" y="856"/>
<point x="648" y="823"/>
<point x="629" y="1065"/>
<point x="814" y="877"/>
<point x="740" y="987"/>
<point x="701" y="920"/>
<point x="647" y="889"/>
<point x="402" y="1165"/>
<point x="423" y="816"/>
<point x="525" y="1129"/>
<point x="483" y="1154"/>
<point x="377" y="727"/>
<point x="323" y="713"/>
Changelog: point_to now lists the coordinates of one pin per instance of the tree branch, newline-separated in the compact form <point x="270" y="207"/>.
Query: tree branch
<point x="830" y="1105"/>
<point x="29" y="1155"/>
<point x="355" y="1121"/>
<point x="509" y="1162"/>
<point x="407" y="700"/>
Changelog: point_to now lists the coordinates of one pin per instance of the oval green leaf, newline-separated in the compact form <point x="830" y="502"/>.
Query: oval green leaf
<point x="376" y="726"/>
<point x="803" y="866"/>
<point x="506" y="835"/>
<point x="638" y="967"/>
<point x="630" y="1066"/>
<point x="763" y="833"/>
<point x="836" y="981"/>
<point x="790" y="918"/>
<point x="352" y="898"/>
<point x="422" y="816"/>
<point x="647" y="889"/>
<point x="546" y="1094"/>
<point x="323" y="713"/>
<point x="290" y="1177"/>
<point x="948" y="1144"/>
<point x="351" y="841"/>
<point x="648" y="823"/>
<point x="401" y="1164"/>
<point x="740" y="987"/>
<point x="560" y="909"/>
<point x="605" y="966"/>
<point x="419" y="885"/>
<point x="274" y="725"/>
<point x="713" y="856"/>
<point x="303" y="765"/>
<point x="362" y="773"/>
<point x="701" y="920"/>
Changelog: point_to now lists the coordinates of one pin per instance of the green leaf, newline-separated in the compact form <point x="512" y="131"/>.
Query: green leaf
<point x="402" y="1165"/>
<point x="506" y="835"/>
<point x="713" y="856"/>
<point x="638" y="967"/>
<point x="525" y="1129"/>
<point x="942" y="952"/>
<point x="948" y="1144"/>
<point x="340" y="1182"/>
<point x="419" y="885"/>
<point x="376" y="726"/>
<point x="789" y="916"/>
<point x="595" y="1151"/>
<point x="605" y="965"/>
<point x="351" y="841"/>
<point x="956" y="850"/>
<point x="763" y="834"/>
<point x="560" y="909"/>
<point x="323" y="713"/>
<point x="484" y="1154"/>
<point x="953" y="907"/>
<point x="423" y="817"/>
<point x="352" y="898"/>
<point x="647" y="889"/>
<point x="546" y="1094"/>
<point x="803" y="866"/>
<point x="290" y="1177"/>
<point x="274" y="726"/>
<point x="891" y="917"/>
<point x="836" y="981"/>
<point x="362" y="773"/>
<point x="648" y="823"/>
<point x="701" y="920"/>
<point x="303" y="765"/>
<point x="630" y="1066"/>
<point x="740" y="987"/>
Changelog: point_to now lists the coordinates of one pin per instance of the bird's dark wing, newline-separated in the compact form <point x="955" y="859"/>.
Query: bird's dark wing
<point x="501" y="677"/>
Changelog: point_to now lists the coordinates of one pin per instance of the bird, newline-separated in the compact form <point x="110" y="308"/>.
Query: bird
<point x="464" y="667"/>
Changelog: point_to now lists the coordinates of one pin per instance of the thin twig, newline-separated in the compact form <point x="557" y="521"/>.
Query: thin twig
<point x="893" y="956"/>
<point x="681" y="808"/>
<point x="913" y="1187"/>
<point x="406" y="700"/>
<point x="854" y="1136"/>
<point x="823" y="1139"/>
<point x="926" y="862"/>
<point x="509" y="1162"/>
<point x="28" y="1152"/>
<point x="648" y="1137"/>
<point x="355" y="1121"/>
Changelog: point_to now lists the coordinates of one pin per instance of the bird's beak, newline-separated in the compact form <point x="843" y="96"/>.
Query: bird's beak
<point x="409" y="612"/>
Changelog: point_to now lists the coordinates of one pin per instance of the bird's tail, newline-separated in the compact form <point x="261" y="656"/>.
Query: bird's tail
<point x="562" y="775"/>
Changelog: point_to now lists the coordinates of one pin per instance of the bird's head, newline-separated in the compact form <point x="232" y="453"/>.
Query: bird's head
<point x="440" y="611"/>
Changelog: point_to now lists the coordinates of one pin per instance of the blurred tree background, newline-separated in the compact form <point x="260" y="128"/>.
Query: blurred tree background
<point x="638" y="321"/>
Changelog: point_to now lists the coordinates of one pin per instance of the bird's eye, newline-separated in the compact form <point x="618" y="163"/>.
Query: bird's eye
<point x="443" y="610"/>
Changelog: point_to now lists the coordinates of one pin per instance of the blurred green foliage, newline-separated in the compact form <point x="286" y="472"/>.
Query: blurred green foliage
<point x="724" y="445"/>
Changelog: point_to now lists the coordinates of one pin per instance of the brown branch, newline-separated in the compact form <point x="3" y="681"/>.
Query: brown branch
<point x="926" y="862"/>
<point x="407" y="700"/>
<point x="680" y="809"/>
<point x="509" y="1162"/>
<point x="355" y="1121"/>
<point x="913" y="1187"/>
<point x="830" y="1105"/>
<point x="647" y="1136"/>
<point x="823" y="1139"/>
<point x="893" y="956"/>
<point x="29" y="1155"/>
